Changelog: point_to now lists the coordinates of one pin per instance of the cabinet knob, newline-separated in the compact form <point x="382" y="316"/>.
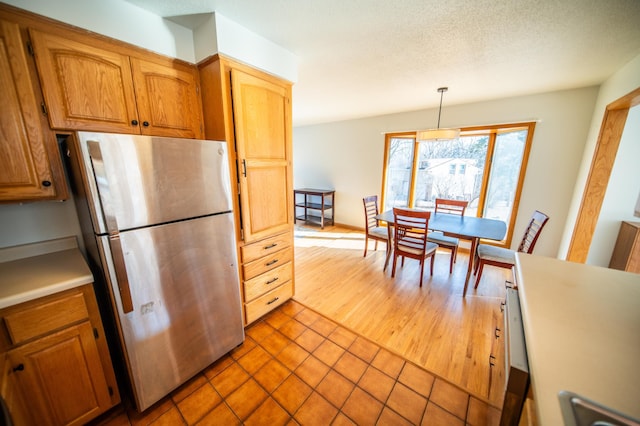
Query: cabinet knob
<point x="145" y="123"/>
<point x="46" y="183"/>
<point x="134" y="122"/>
<point x="19" y="367"/>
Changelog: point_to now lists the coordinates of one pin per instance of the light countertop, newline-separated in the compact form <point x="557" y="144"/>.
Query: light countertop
<point x="35" y="270"/>
<point x="582" y="332"/>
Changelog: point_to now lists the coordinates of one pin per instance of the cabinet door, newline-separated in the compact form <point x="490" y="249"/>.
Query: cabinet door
<point x="62" y="376"/>
<point x="25" y="168"/>
<point x="262" y="115"/>
<point x="168" y="99"/>
<point x="85" y="87"/>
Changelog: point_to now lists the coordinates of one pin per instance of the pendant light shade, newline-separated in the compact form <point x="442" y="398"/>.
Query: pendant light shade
<point x="438" y="133"/>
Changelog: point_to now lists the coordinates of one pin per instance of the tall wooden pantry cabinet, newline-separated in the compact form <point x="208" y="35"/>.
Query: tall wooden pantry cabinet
<point x="251" y="110"/>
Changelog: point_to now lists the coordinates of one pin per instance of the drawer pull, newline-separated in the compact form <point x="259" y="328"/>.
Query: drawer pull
<point x="272" y="281"/>
<point x="19" y="367"/>
<point x="273" y="262"/>
<point x="270" y="246"/>
<point x="273" y="301"/>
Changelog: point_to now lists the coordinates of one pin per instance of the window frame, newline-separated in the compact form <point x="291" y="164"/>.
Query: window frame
<point x="492" y="132"/>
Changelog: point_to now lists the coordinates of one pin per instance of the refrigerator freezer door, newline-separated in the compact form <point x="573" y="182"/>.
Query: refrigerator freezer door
<point x="141" y="180"/>
<point x="186" y="301"/>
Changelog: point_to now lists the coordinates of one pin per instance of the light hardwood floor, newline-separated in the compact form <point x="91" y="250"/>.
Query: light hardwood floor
<point x="433" y="326"/>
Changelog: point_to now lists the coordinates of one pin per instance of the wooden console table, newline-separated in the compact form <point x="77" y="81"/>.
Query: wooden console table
<point x="317" y="205"/>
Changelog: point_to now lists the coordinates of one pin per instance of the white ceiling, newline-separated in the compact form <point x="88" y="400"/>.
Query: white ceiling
<point x="360" y="58"/>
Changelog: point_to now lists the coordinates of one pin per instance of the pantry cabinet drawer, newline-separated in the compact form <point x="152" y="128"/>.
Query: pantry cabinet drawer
<point x="43" y="318"/>
<point x="267" y="263"/>
<point x="267" y="281"/>
<point x="268" y="301"/>
<point x="267" y="246"/>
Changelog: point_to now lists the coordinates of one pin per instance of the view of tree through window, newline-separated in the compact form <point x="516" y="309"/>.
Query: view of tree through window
<point x="416" y="173"/>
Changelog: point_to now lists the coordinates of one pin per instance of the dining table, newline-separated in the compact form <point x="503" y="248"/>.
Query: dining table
<point x="463" y="227"/>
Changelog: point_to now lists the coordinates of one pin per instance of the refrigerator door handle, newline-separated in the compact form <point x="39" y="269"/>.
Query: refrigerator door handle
<point x="121" y="273"/>
<point x="104" y="192"/>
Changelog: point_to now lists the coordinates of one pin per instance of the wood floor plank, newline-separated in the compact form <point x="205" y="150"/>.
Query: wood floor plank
<point x="433" y="326"/>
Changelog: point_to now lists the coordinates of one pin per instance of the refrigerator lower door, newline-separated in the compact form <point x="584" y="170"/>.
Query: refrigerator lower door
<point x="185" y="294"/>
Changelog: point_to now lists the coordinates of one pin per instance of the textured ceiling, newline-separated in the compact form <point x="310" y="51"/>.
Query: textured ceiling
<point x="359" y="58"/>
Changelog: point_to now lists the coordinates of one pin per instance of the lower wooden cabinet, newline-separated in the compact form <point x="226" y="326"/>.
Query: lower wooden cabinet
<point x="267" y="275"/>
<point x="56" y="368"/>
<point x="626" y="252"/>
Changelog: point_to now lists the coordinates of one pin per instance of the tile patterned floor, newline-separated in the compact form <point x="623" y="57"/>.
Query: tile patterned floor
<point x="298" y="367"/>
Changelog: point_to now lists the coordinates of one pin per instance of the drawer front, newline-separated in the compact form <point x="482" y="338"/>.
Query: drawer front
<point x="268" y="281"/>
<point x="270" y="245"/>
<point x="268" y="302"/>
<point x="267" y="263"/>
<point x="41" y="319"/>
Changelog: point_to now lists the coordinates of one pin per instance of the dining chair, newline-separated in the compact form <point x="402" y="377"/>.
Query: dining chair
<point x="442" y="239"/>
<point x="506" y="258"/>
<point x="410" y="238"/>
<point x="373" y="230"/>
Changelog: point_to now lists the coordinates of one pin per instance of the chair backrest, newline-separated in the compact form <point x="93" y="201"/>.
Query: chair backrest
<point x="531" y="234"/>
<point x="370" y="211"/>
<point x="410" y="231"/>
<point x="451" y="206"/>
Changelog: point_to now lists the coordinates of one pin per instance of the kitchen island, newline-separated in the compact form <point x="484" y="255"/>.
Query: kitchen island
<point x="582" y="334"/>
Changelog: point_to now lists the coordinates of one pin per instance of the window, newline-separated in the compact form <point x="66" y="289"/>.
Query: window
<point x="484" y="166"/>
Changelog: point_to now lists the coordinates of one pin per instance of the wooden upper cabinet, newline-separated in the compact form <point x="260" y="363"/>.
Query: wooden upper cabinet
<point x="262" y="114"/>
<point x="168" y="99"/>
<point x="86" y="88"/>
<point x="30" y="167"/>
<point x="91" y="87"/>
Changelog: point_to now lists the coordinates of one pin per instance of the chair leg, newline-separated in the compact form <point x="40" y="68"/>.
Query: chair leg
<point x="375" y="246"/>
<point x="433" y="258"/>
<point x="393" y="270"/>
<point x="366" y="244"/>
<point x="480" y="268"/>
<point x="421" y="270"/>
<point x="453" y="256"/>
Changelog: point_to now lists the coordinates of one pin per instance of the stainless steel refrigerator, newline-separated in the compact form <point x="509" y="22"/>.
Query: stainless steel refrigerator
<point x="159" y="229"/>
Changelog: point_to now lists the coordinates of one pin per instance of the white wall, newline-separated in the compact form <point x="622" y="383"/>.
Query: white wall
<point x="120" y="20"/>
<point x="348" y="156"/>
<point x="618" y="85"/>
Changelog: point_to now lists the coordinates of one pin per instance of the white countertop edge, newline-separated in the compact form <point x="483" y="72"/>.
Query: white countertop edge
<point x="6" y="302"/>
<point x="9" y="254"/>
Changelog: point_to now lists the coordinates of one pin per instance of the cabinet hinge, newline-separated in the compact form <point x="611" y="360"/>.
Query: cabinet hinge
<point x="44" y="108"/>
<point x="30" y="49"/>
<point x="95" y="333"/>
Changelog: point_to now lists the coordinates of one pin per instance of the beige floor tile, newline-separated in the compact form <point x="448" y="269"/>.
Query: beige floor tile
<point x="329" y="352"/>
<point x="437" y="416"/>
<point x="271" y="375"/>
<point x="312" y="371"/>
<point x="269" y="413"/>
<point x="388" y="363"/>
<point x="407" y="403"/>
<point x="362" y="408"/>
<point x="316" y="411"/>
<point x="378" y="384"/>
<point x="292" y="393"/>
<point x="335" y="388"/>
<point x="350" y="366"/>
<point x="451" y="398"/>
<point x="244" y="400"/>
<point x="364" y="349"/>
<point x="199" y="403"/>
<point x="417" y="379"/>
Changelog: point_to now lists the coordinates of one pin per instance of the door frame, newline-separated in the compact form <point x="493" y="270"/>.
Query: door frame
<point x="615" y="117"/>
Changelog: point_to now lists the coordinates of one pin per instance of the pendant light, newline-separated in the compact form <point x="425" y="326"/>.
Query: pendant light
<point x="438" y="133"/>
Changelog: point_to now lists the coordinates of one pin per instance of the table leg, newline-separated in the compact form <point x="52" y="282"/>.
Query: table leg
<point x="389" y="248"/>
<point x="472" y="253"/>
